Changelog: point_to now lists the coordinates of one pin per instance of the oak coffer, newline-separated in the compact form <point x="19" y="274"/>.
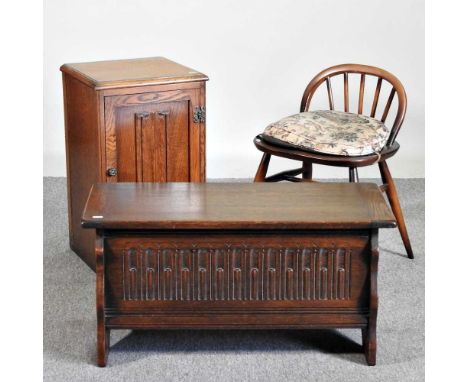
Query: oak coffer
<point x="236" y="256"/>
<point x="139" y="120"/>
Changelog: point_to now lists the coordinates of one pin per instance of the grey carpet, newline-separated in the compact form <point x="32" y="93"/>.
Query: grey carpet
<point x="329" y="355"/>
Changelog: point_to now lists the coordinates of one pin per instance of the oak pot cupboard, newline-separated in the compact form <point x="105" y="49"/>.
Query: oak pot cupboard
<point x="137" y="120"/>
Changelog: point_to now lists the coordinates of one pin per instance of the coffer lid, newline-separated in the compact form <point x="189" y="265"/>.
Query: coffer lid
<point x="241" y="206"/>
<point x="131" y="72"/>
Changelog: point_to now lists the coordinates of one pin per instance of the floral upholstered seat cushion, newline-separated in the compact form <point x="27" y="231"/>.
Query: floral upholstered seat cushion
<point x="330" y="132"/>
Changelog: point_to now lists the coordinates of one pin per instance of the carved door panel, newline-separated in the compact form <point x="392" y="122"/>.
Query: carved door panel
<point x="151" y="137"/>
<point x="302" y="269"/>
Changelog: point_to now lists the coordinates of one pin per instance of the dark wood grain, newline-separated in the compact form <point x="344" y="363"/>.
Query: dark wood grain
<point x="388" y="105"/>
<point x="346" y="92"/>
<point x="376" y="97"/>
<point x="381" y="74"/>
<point x="353" y="175"/>
<point x="286" y="174"/>
<point x="254" y="206"/>
<point x="102" y="332"/>
<point x="129" y="120"/>
<point x="275" y="269"/>
<point x="290" y="152"/>
<point x="307" y="170"/>
<point x="369" y="333"/>
<point x="330" y="94"/>
<point x="391" y="191"/>
<point x="236" y="256"/>
<point x="361" y="93"/>
<point x="262" y="168"/>
<point x="346" y="70"/>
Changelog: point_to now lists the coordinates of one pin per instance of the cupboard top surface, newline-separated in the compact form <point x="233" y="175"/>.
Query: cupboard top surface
<point x="131" y="72"/>
<point x="236" y="206"/>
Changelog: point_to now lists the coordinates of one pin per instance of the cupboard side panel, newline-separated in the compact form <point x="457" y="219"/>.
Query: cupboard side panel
<point x="83" y="160"/>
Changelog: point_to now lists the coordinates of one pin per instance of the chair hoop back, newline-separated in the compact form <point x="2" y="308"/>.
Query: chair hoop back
<point x="381" y="74"/>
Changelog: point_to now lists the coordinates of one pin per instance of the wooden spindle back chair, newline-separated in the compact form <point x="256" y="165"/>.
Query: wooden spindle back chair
<point x="308" y="157"/>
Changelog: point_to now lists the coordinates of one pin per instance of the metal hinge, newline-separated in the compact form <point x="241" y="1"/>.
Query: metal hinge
<point x="199" y="114"/>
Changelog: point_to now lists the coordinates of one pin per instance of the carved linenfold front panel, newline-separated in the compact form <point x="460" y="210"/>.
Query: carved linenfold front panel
<point x="238" y="273"/>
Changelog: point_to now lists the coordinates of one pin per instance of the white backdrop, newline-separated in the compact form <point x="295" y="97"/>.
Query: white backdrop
<point x="259" y="55"/>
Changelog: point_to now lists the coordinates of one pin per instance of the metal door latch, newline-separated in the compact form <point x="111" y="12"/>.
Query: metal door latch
<point x="199" y="114"/>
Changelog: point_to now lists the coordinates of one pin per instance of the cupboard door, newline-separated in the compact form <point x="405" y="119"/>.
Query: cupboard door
<point x="148" y="141"/>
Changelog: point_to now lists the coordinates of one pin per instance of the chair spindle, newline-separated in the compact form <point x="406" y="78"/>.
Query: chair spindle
<point x="361" y="93"/>
<point x="387" y="106"/>
<point x="346" y="92"/>
<point x="376" y="97"/>
<point x="330" y="94"/>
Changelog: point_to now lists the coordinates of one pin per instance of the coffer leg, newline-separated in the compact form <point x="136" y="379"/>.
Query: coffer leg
<point x="103" y="333"/>
<point x="369" y="334"/>
<point x="103" y="339"/>
<point x="369" y="344"/>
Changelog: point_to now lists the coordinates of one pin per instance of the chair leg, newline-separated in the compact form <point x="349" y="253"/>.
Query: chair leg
<point x="307" y="170"/>
<point x="262" y="168"/>
<point x="395" y="204"/>
<point x="353" y="175"/>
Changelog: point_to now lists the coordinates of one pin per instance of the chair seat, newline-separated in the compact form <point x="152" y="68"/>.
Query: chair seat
<point x="330" y="132"/>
